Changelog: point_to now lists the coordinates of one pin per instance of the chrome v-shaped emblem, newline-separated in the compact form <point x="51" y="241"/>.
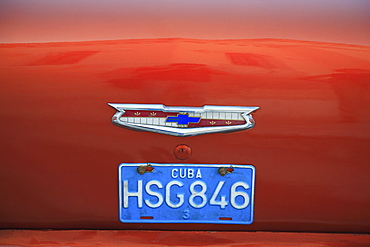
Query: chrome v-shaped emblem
<point x="182" y="120"/>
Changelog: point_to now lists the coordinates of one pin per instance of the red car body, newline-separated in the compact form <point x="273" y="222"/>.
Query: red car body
<point x="307" y="71"/>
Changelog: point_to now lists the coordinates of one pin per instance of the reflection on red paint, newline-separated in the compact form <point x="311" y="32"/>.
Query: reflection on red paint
<point x="63" y="58"/>
<point x="248" y="59"/>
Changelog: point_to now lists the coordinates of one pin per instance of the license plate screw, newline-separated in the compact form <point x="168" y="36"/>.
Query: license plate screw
<point x="222" y="170"/>
<point x="143" y="169"/>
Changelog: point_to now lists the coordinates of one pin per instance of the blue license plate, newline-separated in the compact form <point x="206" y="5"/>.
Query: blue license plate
<point x="186" y="193"/>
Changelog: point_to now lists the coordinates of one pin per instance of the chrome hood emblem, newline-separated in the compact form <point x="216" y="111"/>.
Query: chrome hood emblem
<point x="181" y="120"/>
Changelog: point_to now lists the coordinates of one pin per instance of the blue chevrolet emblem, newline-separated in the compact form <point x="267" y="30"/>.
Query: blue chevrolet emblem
<point x="183" y="119"/>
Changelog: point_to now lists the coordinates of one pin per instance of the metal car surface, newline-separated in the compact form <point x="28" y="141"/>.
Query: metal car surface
<point x="60" y="152"/>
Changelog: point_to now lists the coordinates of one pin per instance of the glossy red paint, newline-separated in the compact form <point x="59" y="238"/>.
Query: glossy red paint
<point x="75" y="238"/>
<point x="60" y="152"/>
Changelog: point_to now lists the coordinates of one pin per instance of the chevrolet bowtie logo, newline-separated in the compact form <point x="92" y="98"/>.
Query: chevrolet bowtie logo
<point x="183" y="119"/>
